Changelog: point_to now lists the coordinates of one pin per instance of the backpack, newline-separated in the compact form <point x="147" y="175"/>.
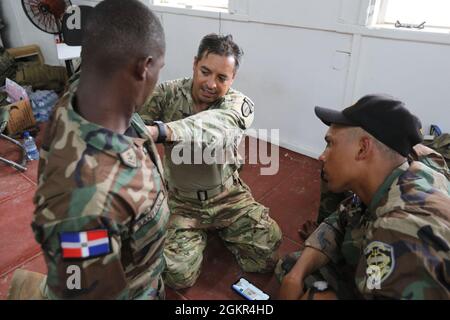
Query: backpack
<point x="8" y="66"/>
<point x="441" y="144"/>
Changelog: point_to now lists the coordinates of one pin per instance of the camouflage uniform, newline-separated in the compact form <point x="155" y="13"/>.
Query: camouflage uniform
<point x="93" y="179"/>
<point x="329" y="201"/>
<point x="403" y="236"/>
<point x="209" y="196"/>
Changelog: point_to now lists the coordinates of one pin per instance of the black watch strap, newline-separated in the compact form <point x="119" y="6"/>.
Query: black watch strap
<point x="311" y="293"/>
<point x="162" y="132"/>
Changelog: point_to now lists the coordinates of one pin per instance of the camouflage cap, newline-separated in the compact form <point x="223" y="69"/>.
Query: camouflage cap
<point x="384" y="117"/>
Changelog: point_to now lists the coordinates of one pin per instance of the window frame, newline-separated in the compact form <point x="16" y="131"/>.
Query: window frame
<point x="238" y="10"/>
<point x="381" y="14"/>
<point x="379" y="19"/>
<point x="194" y="8"/>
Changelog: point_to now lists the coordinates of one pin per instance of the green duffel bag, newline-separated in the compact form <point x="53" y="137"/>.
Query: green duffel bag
<point x="42" y="77"/>
<point x="8" y="66"/>
<point x="442" y="145"/>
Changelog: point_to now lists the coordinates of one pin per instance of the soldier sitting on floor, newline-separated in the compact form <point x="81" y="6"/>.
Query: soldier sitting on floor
<point x="391" y="239"/>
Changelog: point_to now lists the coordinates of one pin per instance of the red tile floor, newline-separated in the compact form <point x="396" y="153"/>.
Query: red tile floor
<point x="292" y="196"/>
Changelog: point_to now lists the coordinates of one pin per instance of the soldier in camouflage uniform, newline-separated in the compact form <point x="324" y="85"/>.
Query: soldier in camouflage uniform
<point x="391" y="238"/>
<point x="201" y="112"/>
<point x="330" y="201"/>
<point x="101" y="209"/>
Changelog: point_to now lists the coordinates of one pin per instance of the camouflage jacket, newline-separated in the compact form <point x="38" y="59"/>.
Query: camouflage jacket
<point x="398" y="246"/>
<point x="222" y="125"/>
<point x="100" y="208"/>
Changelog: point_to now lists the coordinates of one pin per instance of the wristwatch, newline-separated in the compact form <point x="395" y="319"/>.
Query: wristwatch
<point x="162" y="132"/>
<point x="318" y="286"/>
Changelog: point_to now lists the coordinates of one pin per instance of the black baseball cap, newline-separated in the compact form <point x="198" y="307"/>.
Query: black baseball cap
<point x="384" y="117"/>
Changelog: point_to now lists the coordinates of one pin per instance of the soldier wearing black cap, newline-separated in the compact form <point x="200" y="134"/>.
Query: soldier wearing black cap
<point x="392" y="238"/>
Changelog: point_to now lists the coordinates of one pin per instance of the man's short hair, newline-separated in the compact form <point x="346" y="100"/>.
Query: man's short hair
<point x="220" y="45"/>
<point x="118" y="31"/>
<point x="388" y="152"/>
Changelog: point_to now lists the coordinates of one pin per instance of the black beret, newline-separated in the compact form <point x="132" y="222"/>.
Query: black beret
<point x="383" y="117"/>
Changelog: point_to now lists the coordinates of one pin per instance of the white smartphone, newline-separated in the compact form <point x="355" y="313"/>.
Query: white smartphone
<point x="249" y="291"/>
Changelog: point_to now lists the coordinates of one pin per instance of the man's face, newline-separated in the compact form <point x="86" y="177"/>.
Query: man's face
<point x="213" y="77"/>
<point x="339" y="158"/>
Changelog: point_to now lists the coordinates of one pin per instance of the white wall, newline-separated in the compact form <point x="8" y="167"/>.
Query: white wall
<point x="20" y="31"/>
<point x="286" y="72"/>
<point x="417" y="73"/>
<point x="303" y="53"/>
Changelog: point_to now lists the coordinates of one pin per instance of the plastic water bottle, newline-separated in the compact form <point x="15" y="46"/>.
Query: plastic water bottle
<point x="36" y="103"/>
<point x="30" y="146"/>
<point x="43" y="102"/>
<point x="35" y="109"/>
<point x="34" y="106"/>
<point x="51" y="102"/>
<point x="43" y="114"/>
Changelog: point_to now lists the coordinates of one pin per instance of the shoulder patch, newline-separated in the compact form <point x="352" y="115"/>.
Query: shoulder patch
<point x="380" y="255"/>
<point x="129" y="158"/>
<point x="84" y="244"/>
<point x="248" y="107"/>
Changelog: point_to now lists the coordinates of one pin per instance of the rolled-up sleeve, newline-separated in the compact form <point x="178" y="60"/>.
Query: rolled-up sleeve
<point x="328" y="238"/>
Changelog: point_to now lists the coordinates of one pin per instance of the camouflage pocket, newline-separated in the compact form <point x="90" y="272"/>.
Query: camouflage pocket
<point x="146" y="230"/>
<point x="260" y="216"/>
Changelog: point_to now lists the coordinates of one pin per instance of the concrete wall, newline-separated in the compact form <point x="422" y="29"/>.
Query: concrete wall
<point x="299" y="54"/>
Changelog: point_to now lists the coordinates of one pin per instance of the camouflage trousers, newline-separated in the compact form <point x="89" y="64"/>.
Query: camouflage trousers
<point x="243" y="224"/>
<point x="336" y="276"/>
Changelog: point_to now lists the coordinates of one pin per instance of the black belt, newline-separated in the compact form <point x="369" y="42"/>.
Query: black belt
<point x="203" y="195"/>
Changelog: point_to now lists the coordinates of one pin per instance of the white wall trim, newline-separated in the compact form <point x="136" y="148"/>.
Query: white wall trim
<point x="185" y="12"/>
<point x="388" y="32"/>
<point x="353" y="70"/>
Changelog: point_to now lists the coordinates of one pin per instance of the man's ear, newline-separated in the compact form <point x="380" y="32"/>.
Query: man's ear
<point x="365" y="148"/>
<point x="234" y="77"/>
<point x="194" y="65"/>
<point x="143" y="67"/>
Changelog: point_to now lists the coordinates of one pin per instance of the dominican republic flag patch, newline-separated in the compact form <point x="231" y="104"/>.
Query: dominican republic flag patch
<point x="83" y="245"/>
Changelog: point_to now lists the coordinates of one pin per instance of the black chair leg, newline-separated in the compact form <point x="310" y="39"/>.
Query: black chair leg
<point x="23" y="164"/>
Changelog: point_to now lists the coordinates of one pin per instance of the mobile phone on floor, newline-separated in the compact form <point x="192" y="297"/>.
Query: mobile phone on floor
<point x="249" y="291"/>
